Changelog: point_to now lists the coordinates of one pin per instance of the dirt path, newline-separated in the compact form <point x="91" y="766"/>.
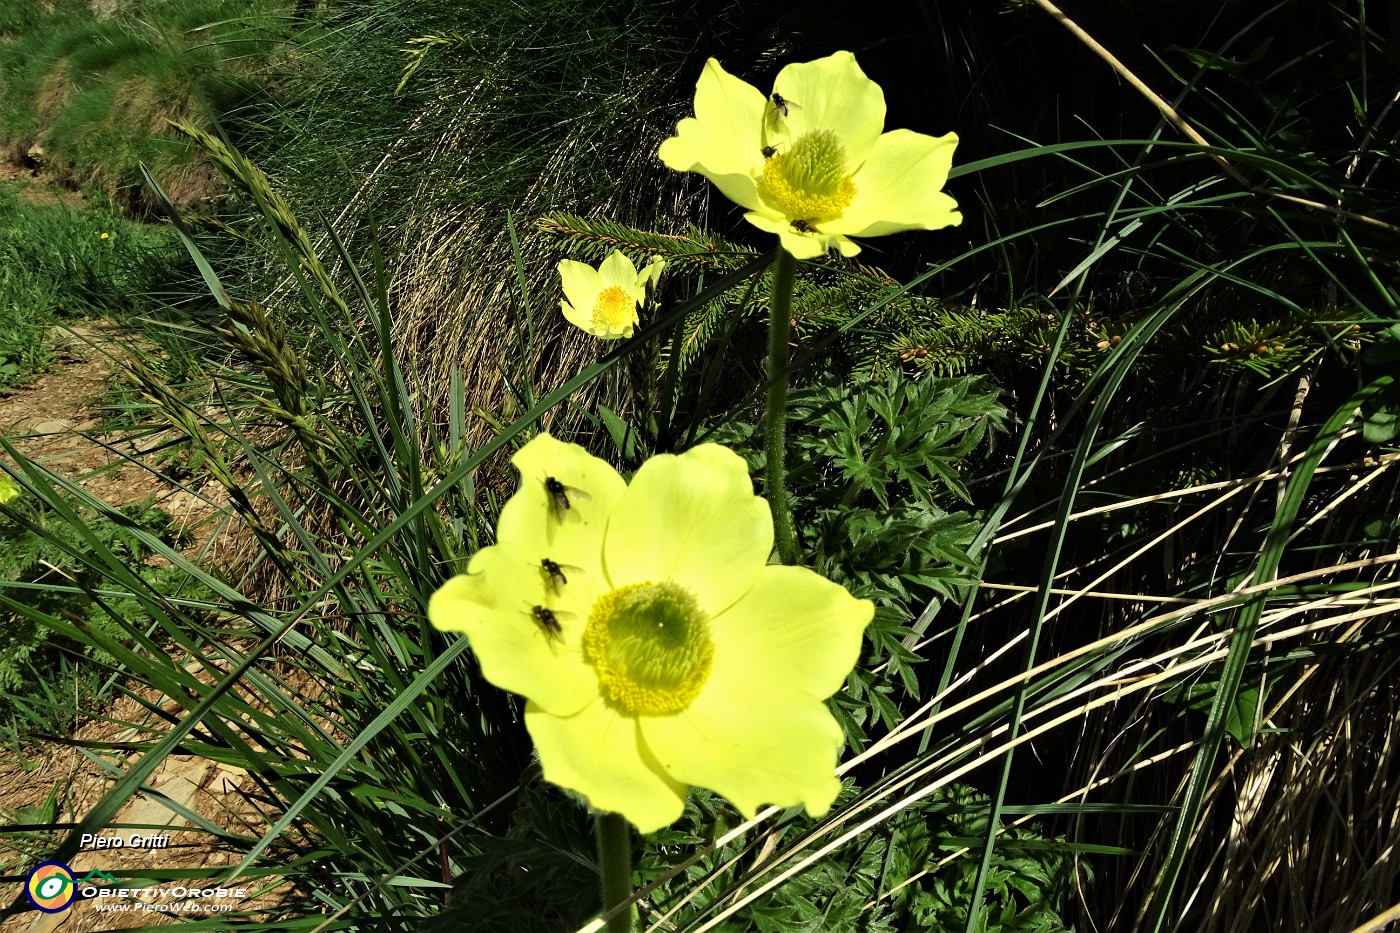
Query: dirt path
<point x="57" y="421"/>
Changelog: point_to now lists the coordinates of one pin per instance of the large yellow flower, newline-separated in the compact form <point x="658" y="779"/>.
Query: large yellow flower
<point x="656" y="646"/>
<point x="809" y="161"/>
<point x="604" y="301"/>
<point x="9" y="489"/>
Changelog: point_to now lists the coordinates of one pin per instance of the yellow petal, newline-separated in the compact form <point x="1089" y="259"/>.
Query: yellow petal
<point x="649" y="276"/>
<point x="582" y="283"/>
<point x="580" y="320"/>
<point x="598" y="753"/>
<point x="723" y="141"/>
<point x="618" y="270"/>
<point x="692" y="519"/>
<point x="758" y="732"/>
<point x="900" y="187"/>
<point x="532" y="518"/>
<point x="753" y="743"/>
<point x="491" y="603"/>
<point x="802" y="245"/>
<point x="831" y="94"/>
<point x="794" y="629"/>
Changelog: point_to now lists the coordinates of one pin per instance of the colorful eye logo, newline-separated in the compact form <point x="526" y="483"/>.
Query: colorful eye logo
<point x="50" y="887"/>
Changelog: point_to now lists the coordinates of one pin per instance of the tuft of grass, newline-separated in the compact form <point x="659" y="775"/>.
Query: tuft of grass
<point x="539" y="107"/>
<point x="87" y="97"/>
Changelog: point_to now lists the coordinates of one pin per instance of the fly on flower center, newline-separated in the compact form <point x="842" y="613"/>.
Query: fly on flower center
<point x="614" y="309"/>
<point x="650" y="644"/>
<point x="809" y="181"/>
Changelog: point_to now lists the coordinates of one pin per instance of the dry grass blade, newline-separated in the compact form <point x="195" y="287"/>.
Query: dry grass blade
<point x="1186" y="129"/>
<point x="1119" y="685"/>
<point x="1380" y="922"/>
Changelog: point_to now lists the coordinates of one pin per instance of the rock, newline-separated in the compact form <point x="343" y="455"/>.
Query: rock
<point x="50" y="426"/>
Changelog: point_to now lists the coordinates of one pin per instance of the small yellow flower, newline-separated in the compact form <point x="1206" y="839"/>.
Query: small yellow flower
<point x="604" y="301"/>
<point x="655" y="645"/>
<point x="810" y="161"/>
<point x="106" y="236"/>
<point x="9" y="489"/>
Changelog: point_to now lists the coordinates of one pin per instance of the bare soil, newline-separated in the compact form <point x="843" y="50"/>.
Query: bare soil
<point x="34" y="185"/>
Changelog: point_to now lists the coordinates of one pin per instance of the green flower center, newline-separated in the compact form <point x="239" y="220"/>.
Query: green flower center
<point x="809" y="182"/>
<point x="650" y="644"/>
<point x="614" y="309"/>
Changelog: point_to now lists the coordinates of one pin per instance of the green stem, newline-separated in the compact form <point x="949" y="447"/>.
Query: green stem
<point x="666" y="416"/>
<point x="779" y="316"/>
<point x="615" y="859"/>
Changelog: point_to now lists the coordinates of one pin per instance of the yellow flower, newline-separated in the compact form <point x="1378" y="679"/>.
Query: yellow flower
<point x="809" y="161"/>
<point x="656" y="646"/>
<point x="9" y="489"/>
<point x="604" y="301"/>
<point x="106" y="236"/>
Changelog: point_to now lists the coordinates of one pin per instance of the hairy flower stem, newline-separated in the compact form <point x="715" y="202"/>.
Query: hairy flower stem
<point x="779" y="322"/>
<point x="615" y="859"/>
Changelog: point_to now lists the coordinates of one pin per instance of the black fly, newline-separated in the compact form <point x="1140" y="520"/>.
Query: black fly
<point x="548" y="624"/>
<point x="782" y="103"/>
<point x="555" y="574"/>
<point x="559" y="496"/>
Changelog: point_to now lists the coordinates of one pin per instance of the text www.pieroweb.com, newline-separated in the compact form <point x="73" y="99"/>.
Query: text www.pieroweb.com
<point x="184" y="907"/>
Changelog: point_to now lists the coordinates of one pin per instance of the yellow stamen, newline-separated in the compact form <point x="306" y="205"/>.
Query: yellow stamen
<point x="615" y="310"/>
<point x="650" y="644"/>
<point x="809" y="183"/>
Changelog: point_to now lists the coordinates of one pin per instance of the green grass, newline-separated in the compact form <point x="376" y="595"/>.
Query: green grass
<point x="93" y="93"/>
<point x="52" y="563"/>
<point x="59" y="263"/>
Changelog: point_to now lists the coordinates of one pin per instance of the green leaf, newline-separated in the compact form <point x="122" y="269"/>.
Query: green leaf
<point x="45" y="813"/>
<point x="623" y="437"/>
